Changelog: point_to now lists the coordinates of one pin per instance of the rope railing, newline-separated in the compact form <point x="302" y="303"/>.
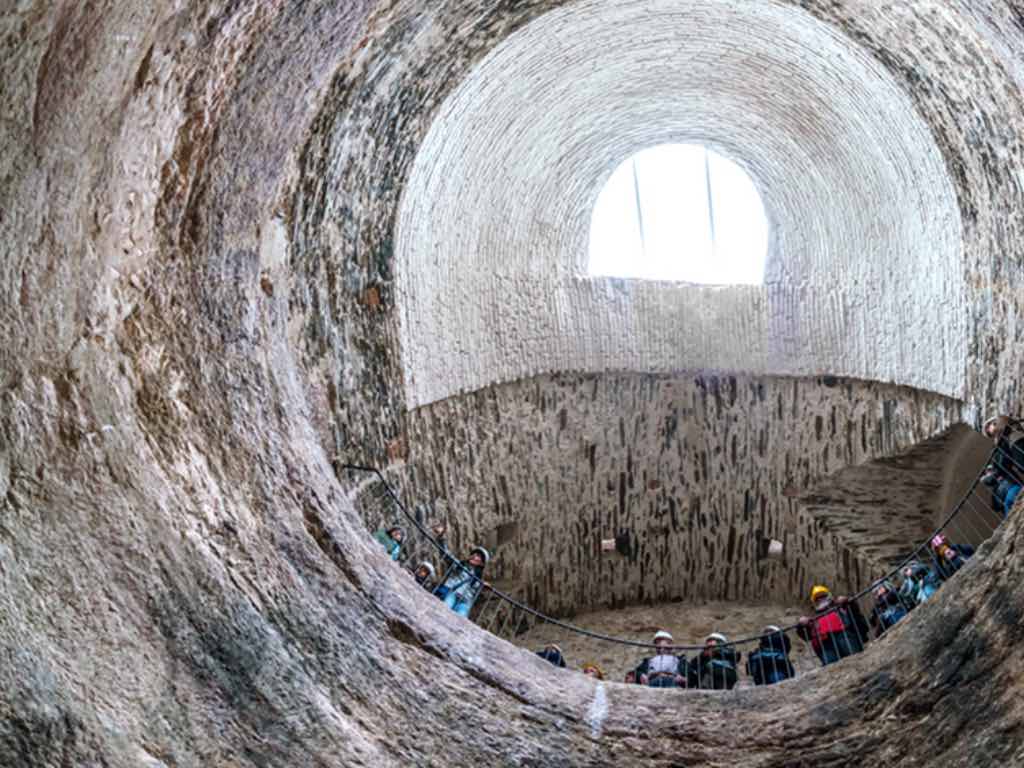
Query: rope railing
<point x="834" y="632"/>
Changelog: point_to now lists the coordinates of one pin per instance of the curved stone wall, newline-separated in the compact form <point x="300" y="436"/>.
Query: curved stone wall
<point x="197" y="285"/>
<point x="697" y="471"/>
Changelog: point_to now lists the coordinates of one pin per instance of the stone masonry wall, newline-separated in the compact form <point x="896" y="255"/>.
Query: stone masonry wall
<point x="696" y="469"/>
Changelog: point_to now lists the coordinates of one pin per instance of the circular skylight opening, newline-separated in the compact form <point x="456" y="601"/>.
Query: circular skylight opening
<point x="679" y="212"/>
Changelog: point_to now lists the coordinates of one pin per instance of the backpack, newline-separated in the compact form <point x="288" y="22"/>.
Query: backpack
<point x="829" y="623"/>
<point x="771" y="666"/>
<point x="444" y="590"/>
<point x="718" y="674"/>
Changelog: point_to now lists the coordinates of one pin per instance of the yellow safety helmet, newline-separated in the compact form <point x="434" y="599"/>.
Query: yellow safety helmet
<point x="819" y="591"/>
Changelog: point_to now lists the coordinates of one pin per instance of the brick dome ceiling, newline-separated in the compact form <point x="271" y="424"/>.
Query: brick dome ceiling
<point x="865" y="263"/>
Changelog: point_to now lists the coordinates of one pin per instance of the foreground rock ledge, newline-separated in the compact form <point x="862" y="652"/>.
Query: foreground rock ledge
<point x="195" y="202"/>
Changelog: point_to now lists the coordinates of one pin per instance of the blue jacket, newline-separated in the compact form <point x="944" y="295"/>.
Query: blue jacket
<point x="922" y="584"/>
<point x="886" y="613"/>
<point x="459" y="581"/>
<point x="392" y="547"/>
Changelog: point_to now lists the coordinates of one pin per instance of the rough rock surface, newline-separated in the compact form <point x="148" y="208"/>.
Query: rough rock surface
<point x="883" y="509"/>
<point x="198" y="203"/>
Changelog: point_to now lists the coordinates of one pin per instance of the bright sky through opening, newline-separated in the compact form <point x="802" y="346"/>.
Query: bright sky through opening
<point x="680" y="212"/>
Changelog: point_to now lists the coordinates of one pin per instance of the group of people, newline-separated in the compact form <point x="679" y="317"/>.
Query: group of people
<point x="553" y="654"/>
<point x="835" y="630"/>
<point x="920" y="580"/>
<point x="462" y="581"/>
<point x="1004" y="476"/>
<point x="714" y="668"/>
<point x="838" y="628"/>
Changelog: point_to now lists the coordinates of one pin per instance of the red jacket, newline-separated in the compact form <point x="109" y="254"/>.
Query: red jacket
<point x="835" y="619"/>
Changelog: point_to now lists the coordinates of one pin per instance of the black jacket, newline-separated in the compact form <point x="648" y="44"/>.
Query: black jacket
<point x="552" y="656"/>
<point x="424" y="581"/>
<point x="714" y="668"/>
<point x="945" y="567"/>
<point x="1009" y="459"/>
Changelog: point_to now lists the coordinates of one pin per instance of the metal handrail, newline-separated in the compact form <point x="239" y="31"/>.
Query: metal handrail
<point x="450" y="557"/>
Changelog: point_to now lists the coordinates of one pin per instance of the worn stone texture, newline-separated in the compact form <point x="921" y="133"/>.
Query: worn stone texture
<point x="882" y="509"/>
<point x="697" y="470"/>
<point x="198" y="203"/>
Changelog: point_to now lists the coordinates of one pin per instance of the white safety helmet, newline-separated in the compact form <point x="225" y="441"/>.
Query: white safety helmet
<point x="992" y="426"/>
<point x="483" y="553"/>
<point x="661" y="634"/>
<point x="720" y="638"/>
<point x="430" y="569"/>
<point x="771" y="629"/>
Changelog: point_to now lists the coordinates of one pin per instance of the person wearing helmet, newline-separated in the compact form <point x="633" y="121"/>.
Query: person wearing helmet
<point x="392" y="539"/>
<point x="919" y="583"/>
<point x="425" y="575"/>
<point x="1004" y="489"/>
<point x="463" y="582"/>
<point x="994" y="427"/>
<point x="438" y="531"/>
<point x="553" y="654"/>
<point x="1004" y="476"/>
<point x="949" y="558"/>
<point x="590" y="669"/>
<point x="769" y="663"/>
<point x="1008" y="437"/>
<point x="889" y="607"/>
<point x="714" y="668"/>
<point x="836" y="630"/>
<point x="664" y="669"/>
